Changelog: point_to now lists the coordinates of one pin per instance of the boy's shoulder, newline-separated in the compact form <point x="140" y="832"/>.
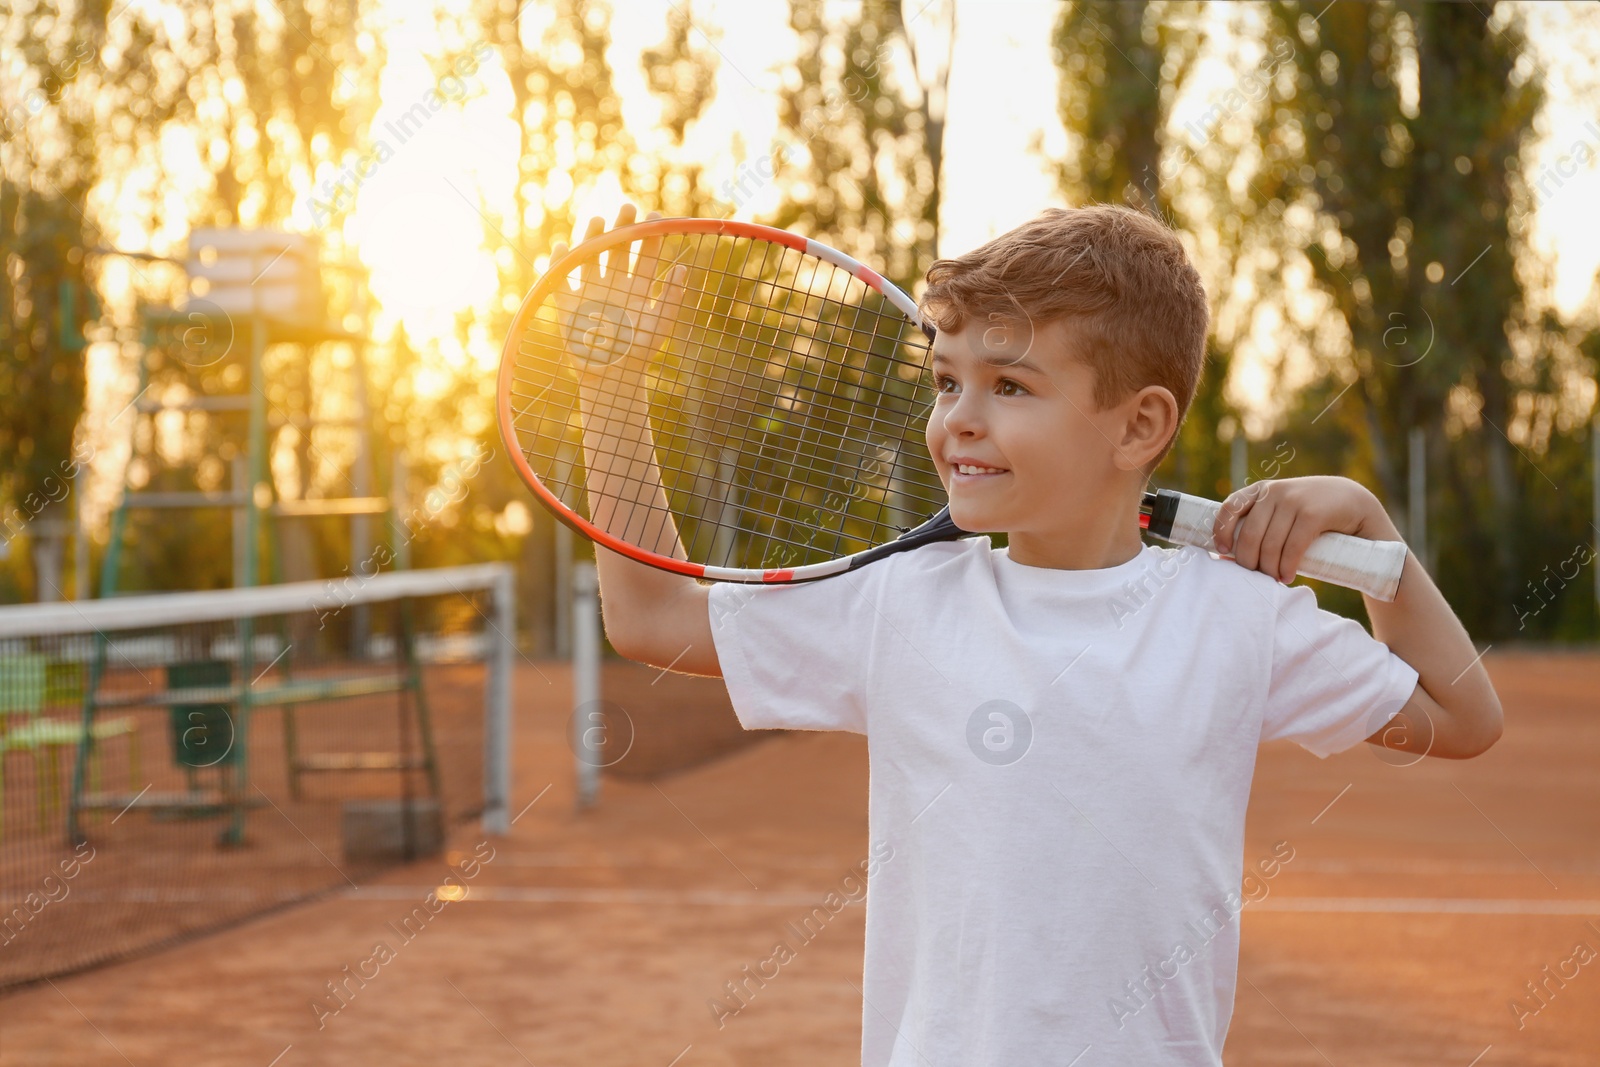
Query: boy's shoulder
<point x="1212" y="575"/>
<point x="1253" y="603"/>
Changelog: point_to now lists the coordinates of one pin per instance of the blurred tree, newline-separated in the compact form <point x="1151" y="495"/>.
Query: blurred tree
<point x="684" y="79"/>
<point x="571" y="134"/>
<point x="1120" y="67"/>
<point x="1398" y="136"/>
<point x="41" y="373"/>
<point x="287" y="102"/>
<point x="286" y="96"/>
<point x="1113" y="60"/>
<point x="64" y="71"/>
<point x="569" y="121"/>
<point x="265" y="98"/>
<point x="866" y="139"/>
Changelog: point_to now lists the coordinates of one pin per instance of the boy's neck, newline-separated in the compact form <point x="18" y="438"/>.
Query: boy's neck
<point x="1102" y="538"/>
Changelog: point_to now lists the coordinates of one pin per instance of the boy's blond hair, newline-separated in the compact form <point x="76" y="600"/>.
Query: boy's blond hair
<point x="1137" y="307"/>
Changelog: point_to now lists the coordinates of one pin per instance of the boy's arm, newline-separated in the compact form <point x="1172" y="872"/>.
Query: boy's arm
<point x="1454" y="712"/>
<point x="651" y="615"/>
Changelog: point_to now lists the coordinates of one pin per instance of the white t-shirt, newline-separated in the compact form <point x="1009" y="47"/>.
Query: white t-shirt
<point x="1060" y="762"/>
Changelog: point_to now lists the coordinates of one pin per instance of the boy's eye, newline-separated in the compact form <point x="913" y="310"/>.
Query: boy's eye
<point x="943" y="383"/>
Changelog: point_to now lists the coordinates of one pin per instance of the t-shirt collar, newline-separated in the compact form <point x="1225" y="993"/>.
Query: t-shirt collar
<point x="1061" y="580"/>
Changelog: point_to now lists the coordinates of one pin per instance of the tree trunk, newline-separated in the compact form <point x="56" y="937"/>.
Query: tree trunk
<point x="1505" y="507"/>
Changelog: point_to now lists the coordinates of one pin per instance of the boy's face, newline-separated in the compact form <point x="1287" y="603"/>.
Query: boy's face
<point x="1014" y="404"/>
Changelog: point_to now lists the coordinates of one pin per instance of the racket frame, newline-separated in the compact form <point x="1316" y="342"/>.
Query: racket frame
<point x="624" y="236"/>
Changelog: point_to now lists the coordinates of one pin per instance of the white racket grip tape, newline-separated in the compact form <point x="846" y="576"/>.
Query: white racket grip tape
<point x="1372" y="567"/>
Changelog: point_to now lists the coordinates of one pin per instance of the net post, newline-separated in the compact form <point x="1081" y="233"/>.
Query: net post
<point x="497" y="709"/>
<point x="563" y="579"/>
<point x="585" y="592"/>
<point x="80" y="535"/>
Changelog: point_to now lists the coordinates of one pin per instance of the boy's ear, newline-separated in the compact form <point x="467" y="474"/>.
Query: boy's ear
<point x="1151" y="418"/>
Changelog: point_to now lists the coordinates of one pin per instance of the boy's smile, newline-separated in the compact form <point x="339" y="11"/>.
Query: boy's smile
<point x="1021" y="447"/>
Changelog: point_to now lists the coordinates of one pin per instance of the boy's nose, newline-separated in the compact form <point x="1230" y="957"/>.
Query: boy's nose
<point x="962" y="419"/>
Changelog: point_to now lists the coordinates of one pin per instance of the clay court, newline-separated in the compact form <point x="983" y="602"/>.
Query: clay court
<point x="1419" y="901"/>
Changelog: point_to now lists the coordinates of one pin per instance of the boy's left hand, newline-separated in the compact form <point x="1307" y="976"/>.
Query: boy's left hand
<point x="1268" y="525"/>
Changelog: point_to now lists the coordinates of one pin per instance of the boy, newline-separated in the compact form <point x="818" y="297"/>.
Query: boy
<point x="1062" y="733"/>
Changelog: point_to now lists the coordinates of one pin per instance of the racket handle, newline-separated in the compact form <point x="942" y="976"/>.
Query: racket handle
<point x="1372" y="567"/>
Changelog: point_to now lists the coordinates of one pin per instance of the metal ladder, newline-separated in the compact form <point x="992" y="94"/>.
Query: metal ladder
<point x="251" y="496"/>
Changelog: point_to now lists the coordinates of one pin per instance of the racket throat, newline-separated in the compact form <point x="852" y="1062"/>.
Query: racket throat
<point x="939" y="528"/>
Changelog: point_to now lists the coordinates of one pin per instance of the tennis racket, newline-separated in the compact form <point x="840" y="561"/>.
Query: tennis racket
<point x="739" y="403"/>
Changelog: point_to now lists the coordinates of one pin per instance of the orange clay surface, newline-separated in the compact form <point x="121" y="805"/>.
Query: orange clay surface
<point x="1419" y="901"/>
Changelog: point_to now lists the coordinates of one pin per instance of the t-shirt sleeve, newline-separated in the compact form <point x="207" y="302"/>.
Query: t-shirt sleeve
<point x="1332" y="683"/>
<point x="797" y="657"/>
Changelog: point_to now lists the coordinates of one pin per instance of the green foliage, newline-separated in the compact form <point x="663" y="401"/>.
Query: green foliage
<point x="684" y="77"/>
<point x="569" y="119"/>
<point x="41" y="377"/>
<point x="65" y="71"/>
<point x="572" y="135"/>
<point x="282" y="102"/>
<point x="1120" y="65"/>
<point x="844" y="127"/>
<point x="1419" y="224"/>
<point x="1397" y="129"/>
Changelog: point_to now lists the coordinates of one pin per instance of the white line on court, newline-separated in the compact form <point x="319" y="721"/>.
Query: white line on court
<point x="1430" y="905"/>
<point x="543" y="895"/>
<point x="736" y="898"/>
<point x="1429" y="866"/>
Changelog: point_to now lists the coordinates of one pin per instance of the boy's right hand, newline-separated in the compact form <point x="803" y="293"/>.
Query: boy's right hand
<point x="612" y="326"/>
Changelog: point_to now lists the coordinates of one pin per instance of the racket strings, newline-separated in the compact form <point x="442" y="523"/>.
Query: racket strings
<point x="754" y="500"/>
<point x="755" y="496"/>
<point x="786" y="409"/>
<point x="813" y="427"/>
<point x="824" y="398"/>
<point x="821" y="400"/>
<point x="724" y="353"/>
<point x="764" y="500"/>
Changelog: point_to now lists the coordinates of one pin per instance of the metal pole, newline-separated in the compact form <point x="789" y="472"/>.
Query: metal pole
<point x="1417" y="508"/>
<point x="563" y="602"/>
<point x="399" y="530"/>
<point x="80" y="536"/>
<point x="497" y="709"/>
<point x="241" y="525"/>
<point x="260" y="500"/>
<point x="260" y="493"/>
<point x="361" y="562"/>
<point x="586" y="726"/>
<point x="119" y="519"/>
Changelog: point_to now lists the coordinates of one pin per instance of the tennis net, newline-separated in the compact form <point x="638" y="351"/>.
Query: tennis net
<point x="174" y="763"/>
